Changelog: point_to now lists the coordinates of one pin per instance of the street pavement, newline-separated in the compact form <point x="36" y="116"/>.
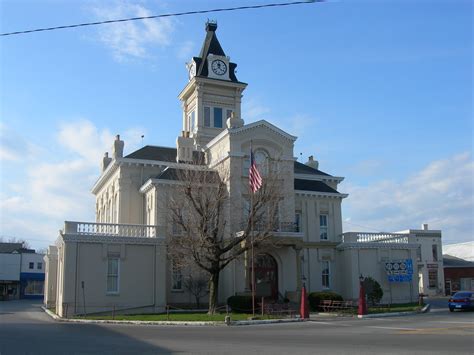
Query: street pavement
<point x="26" y="329"/>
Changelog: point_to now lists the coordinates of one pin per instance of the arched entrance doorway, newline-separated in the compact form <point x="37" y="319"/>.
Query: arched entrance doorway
<point x="266" y="276"/>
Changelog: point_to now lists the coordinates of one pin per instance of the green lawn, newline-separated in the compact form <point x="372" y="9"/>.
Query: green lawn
<point x="193" y="317"/>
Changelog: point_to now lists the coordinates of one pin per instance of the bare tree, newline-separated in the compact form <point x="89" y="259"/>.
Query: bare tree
<point x="200" y="211"/>
<point x="197" y="285"/>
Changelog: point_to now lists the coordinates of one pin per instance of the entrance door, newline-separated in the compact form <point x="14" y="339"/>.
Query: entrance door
<point x="447" y="287"/>
<point x="266" y="276"/>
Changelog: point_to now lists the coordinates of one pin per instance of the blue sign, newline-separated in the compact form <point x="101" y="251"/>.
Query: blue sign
<point x="399" y="270"/>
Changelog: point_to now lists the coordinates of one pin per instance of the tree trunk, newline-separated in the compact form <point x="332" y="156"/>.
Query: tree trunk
<point x="213" y="289"/>
<point x="198" y="305"/>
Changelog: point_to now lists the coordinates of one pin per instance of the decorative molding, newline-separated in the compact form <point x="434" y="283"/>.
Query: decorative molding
<point x="111" y="239"/>
<point x="320" y="194"/>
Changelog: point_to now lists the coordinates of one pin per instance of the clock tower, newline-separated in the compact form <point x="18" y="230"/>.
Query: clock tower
<point x="212" y="98"/>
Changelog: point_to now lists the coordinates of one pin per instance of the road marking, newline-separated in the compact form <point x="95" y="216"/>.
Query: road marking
<point x="392" y="328"/>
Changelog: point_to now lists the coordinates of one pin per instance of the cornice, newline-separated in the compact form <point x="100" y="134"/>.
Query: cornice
<point x="344" y="246"/>
<point x="113" y="166"/>
<point x="110" y="239"/>
<point x="320" y="194"/>
<point x="315" y="177"/>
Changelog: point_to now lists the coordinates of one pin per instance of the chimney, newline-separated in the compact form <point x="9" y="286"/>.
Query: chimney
<point x="424" y="226"/>
<point x="312" y="163"/>
<point x="106" y="161"/>
<point x="184" y="148"/>
<point x="117" y="148"/>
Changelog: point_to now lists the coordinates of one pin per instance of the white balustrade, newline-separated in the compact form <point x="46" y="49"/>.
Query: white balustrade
<point x="364" y="237"/>
<point x="120" y="230"/>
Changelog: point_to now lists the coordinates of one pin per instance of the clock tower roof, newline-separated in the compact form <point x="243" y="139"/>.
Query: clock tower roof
<point x="211" y="46"/>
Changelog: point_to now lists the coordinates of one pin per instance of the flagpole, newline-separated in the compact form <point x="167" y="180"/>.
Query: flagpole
<point x="251" y="240"/>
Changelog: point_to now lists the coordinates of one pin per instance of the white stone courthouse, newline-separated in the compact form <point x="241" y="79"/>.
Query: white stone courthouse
<point x="120" y="262"/>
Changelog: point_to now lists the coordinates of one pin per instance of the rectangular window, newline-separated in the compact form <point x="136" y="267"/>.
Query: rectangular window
<point x="176" y="278"/>
<point x="113" y="275"/>
<point x="435" y="252"/>
<point x="34" y="287"/>
<point x="228" y="113"/>
<point x="298" y="222"/>
<point x="323" y="226"/>
<point x="32" y="265"/>
<point x="432" y="278"/>
<point x="418" y="254"/>
<point x="192" y="121"/>
<point x="325" y="274"/>
<point x="39" y="266"/>
<point x="207" y="117"/>
<point x="217" y="117"/>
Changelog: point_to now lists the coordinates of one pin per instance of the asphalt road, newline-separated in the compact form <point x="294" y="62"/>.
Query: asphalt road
<point x="25" y="329"/>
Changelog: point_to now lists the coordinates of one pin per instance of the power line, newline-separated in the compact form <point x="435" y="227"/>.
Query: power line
<point x="162" y="15"/>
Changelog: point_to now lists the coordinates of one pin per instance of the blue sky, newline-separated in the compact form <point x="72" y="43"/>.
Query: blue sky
<point x="380" y="92"/>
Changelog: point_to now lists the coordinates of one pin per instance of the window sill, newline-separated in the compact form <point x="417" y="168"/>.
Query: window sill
<point x="177" y="291"/>
<point x="112" y="293"/>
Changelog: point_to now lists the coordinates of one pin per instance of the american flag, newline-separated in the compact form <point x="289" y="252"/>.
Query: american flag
<point x="255" y="179"/>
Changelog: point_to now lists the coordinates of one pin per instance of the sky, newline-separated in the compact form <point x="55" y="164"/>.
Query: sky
<point x="380" y="92"/>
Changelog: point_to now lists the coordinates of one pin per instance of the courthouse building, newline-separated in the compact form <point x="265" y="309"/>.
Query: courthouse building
<point x="120" y="260"/>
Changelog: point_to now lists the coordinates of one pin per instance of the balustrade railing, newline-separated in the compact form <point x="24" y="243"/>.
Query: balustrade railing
<point x="120" y="230"/>
<point x="375" y="238"/>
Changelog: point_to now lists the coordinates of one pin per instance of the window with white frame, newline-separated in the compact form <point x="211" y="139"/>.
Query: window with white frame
<point x="323" y="226"/>
<point x="325" y="274"/>
<point x="434" y="249"/>
<point x="192" y="121"/>
<point x="216" y="116"/>
<point x="113" y="269"/>
<point x="39" y="266"/>
<point x="31" y="265"/>
<point x="176" y="277"/>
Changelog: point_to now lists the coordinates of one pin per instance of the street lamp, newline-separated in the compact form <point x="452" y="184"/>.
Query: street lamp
<point x="362" y="309"/>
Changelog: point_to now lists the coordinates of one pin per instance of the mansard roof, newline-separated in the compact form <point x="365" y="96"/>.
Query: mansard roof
<point x="305" y="169"/>
<point x="151" y="152"/>
<point x="313" y="185"/>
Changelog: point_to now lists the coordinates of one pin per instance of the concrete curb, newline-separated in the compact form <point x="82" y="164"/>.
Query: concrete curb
<point x="425" y="309"/>
<point x="266" y="321"/>
<point x="186" y="323"/>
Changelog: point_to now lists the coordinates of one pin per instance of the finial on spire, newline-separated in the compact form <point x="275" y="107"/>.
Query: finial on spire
<point x="211" y="25"/>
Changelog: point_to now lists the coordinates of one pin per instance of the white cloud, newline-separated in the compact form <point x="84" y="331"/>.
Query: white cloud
<point x="133" y="38"/>
<point x="441" y="195"/>
<point x="52" y="191"/>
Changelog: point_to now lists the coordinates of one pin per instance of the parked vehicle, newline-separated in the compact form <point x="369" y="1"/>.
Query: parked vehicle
<point x="461" y="300"/>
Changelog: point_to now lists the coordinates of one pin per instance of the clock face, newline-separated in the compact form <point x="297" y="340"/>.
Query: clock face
<point x="219" y="67"/>
<point x="192" y="70"/>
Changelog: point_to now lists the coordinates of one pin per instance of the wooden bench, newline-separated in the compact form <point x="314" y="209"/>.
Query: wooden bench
<point x="330" y="305"/>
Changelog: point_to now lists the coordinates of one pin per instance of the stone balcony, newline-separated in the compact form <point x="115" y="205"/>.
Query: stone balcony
<point x="112" y="229"/>
<point x="385" y="238"/>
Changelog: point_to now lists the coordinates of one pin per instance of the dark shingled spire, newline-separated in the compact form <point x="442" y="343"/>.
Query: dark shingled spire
<point x="211" y="45"/>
